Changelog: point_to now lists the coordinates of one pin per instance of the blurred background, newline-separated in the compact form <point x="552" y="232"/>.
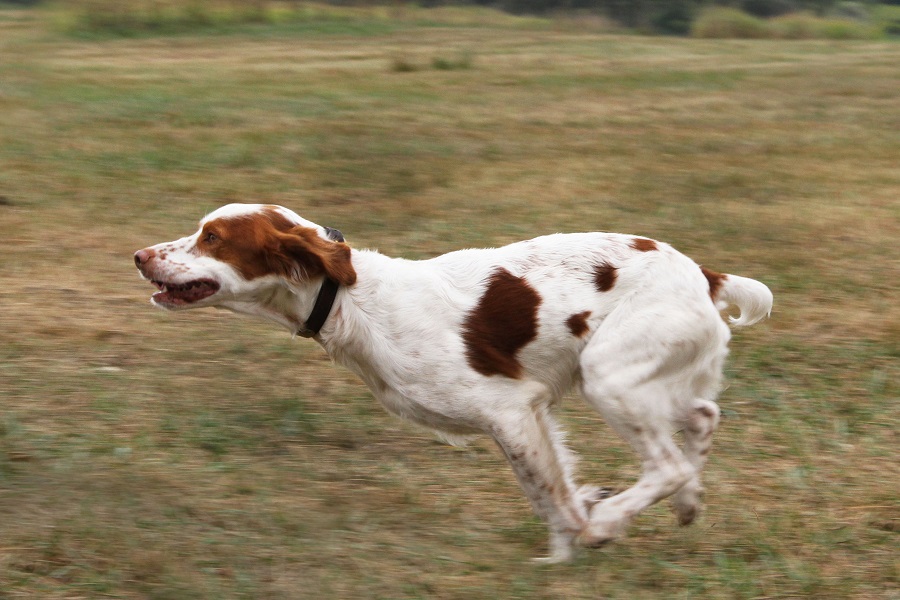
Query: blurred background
<point x="204" y="455"/>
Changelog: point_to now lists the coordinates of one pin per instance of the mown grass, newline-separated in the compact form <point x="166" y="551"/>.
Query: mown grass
<point x="202" y="455"/>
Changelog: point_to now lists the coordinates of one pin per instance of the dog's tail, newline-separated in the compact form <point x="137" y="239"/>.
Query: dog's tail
<point x="752" y="297"/>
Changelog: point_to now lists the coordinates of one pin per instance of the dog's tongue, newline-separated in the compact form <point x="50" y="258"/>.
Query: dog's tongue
<point x="195" y="291"/>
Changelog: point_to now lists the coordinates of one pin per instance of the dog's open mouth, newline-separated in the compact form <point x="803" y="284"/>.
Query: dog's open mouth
<point x="171" y="294"/>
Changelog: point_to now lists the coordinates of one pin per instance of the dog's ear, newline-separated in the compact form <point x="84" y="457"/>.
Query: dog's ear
<point x="301" y="254"/>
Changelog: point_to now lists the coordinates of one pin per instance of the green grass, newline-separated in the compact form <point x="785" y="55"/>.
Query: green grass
<point x="203" y="455"/>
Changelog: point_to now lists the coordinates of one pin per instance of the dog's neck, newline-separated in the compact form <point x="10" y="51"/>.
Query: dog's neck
<point x="286" y="304"/>
<point x="358" y="330"/>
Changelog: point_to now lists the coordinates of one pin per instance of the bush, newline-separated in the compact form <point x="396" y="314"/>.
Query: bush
<point x="768" y="8"/>
<point x="728" y="23"/>
<point x="851" y="10"/>
<point x="808" y="27"/>
<point x="887" y="18"/>
<point x="140" y="17"/>
<point x="842" y="29"/>
<point x="732" y="23"/>
<point x="795" y="27"/>
<point x="675" y="19"/>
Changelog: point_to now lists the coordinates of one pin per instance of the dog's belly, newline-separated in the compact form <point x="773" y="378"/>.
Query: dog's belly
<point x="434" y="412"/>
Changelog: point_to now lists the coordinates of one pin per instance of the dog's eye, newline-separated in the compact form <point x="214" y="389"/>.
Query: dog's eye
<point x="210" y="238"/>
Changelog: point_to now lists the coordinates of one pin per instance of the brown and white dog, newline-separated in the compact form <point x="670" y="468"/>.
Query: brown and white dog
<point x="486" y="341"/>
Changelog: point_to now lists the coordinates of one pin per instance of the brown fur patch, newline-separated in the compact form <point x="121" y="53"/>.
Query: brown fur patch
<point x="715" y="281"/>
<point x="578" y="323"/>
<point x="502" y="323"/>
<point x="643" y="244"/>
<point x="604" y="276"/>
<point x="267" y="243"/>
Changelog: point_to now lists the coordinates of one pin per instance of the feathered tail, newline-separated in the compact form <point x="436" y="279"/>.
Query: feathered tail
<point x="752" y="297"/>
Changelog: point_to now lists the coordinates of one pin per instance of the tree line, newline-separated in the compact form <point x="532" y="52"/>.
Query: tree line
<point x="656" y="16"/>
<point x="676" y="16"/>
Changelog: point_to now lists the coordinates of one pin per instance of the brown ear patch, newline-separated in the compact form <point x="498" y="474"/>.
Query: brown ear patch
<point x="267" y="243"/>
<point x="501" y="324"/>
<point x="577" y="323"/>
<point x="643" y="244"/>
<point x="715" y="281"/>
<point x="303" y="254"/>
<point x="604" y="276"/>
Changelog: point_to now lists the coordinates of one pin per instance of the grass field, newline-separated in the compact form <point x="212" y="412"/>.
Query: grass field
<point x="204" y="455"/>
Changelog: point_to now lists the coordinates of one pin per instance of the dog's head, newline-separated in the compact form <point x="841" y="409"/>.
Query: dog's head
<point x="239" y="252"/>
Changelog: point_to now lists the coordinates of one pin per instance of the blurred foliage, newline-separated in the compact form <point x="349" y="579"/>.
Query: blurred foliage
<point x="732" y="23"/>
<point x="843" y="19"/>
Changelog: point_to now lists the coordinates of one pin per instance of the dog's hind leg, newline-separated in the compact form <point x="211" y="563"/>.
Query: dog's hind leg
<point x="699" y="420"/>
<point x="532" y="442"/>
<point x="664" y="471"/>
<point x="700" y="424"/>
<point x="643" y="372"/>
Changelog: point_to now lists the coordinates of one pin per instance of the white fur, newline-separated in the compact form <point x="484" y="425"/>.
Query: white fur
<point x="650" y="363"/>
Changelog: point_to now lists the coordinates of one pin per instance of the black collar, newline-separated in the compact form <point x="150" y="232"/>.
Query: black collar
<point x="325" y="299"/>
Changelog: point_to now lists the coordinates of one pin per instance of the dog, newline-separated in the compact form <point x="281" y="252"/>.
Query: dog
<point x="486" y="341"/>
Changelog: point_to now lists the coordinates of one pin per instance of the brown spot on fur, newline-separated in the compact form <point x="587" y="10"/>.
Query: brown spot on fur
<point x="502" y="323"/>
<point x="643" y="244"/>
<point x="715" y="281"/>
<point x="267" y="243"/>
<point x="604" y="276"/>
<point x="578" y="323"/>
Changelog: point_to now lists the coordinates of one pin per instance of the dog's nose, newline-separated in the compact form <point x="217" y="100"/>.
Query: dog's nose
<point x="142" y="256"/>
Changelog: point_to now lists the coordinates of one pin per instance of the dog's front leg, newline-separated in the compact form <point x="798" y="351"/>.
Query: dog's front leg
<point x="531" y="441"/>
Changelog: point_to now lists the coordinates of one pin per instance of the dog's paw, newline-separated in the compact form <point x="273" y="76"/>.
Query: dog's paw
<point x="605" y="526"/>
<point x="688" y="504"/>
<point x="562" y="548"/>
<point x="556" y="558"/>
